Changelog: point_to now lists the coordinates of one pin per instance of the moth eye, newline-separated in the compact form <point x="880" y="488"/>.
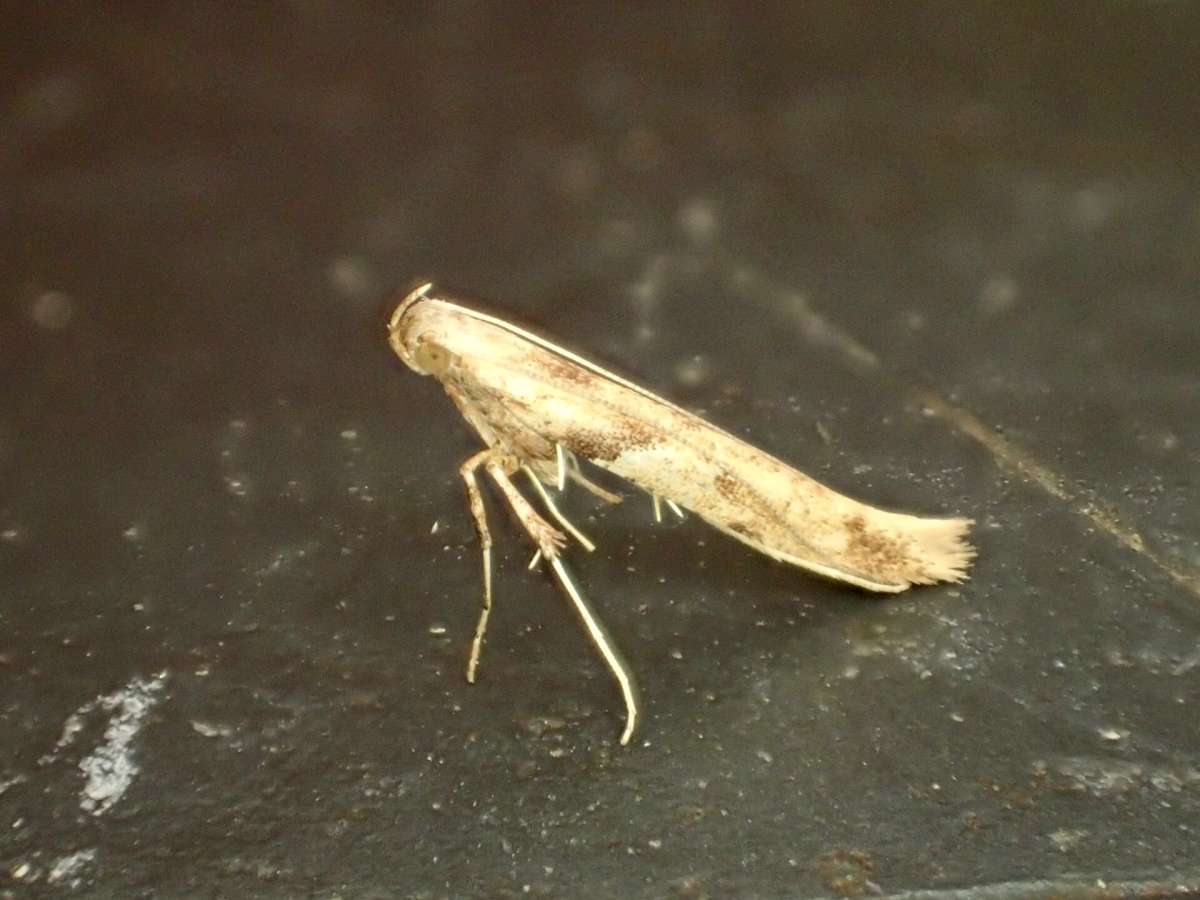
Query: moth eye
<point x="432" y="357"/>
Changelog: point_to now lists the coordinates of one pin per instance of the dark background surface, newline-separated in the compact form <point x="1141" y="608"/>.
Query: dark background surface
<point x="944" y="258"/>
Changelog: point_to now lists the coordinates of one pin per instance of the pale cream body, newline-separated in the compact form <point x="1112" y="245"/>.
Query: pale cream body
<point x="525" y="395"/>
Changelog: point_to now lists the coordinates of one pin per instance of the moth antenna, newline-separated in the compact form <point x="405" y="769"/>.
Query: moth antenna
<point x="657" y="508"/>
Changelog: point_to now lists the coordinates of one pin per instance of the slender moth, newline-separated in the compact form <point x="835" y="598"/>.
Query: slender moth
<point x="539" y="408"/>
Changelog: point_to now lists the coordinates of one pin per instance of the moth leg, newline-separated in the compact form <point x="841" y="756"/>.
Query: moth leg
<point x="475" y="498"/>
<point x="560" y="456"/>
<point x="593" y="488"/>
<point x="604" y="643"/>
<point x="548" y="538"/>
<point x="657" y="508"/>
<point x="554" y="511"/>
<point x="675" y="509"/>
<point x="549" y="541"/>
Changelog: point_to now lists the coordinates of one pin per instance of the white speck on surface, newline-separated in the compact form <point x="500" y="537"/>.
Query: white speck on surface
<point x="70" y="731"/>
<point x="351" y="276"/>
<point x="1094" y="206"/>
<point x="436" y="525"/>
<point x="1113" y="734"/>
<point x="699" y="221"/>
<point x="236" y="486"/>
<point x="1065" y="839"/>
<point x="205" y="729"/>
<point x="646" y="291"/>
<point x="9" y="534"/>
<point x="998" y="295"/>
<point x="765" y="756"/>
<point x="349" y="434"/>
<point x="20" y="871"/>
<point x="52" y="310"/>
<point x="437" y="629"/>
<point x="133" y="532"/>
<point x="110" y="768"/>
<point x="68" y="868"/>
<point x="693" y="371"/>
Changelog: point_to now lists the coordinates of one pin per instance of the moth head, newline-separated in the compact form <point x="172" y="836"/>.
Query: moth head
<point x="412" y="338"/>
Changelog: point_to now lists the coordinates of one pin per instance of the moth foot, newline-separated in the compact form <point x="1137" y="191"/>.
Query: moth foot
<point x="548" y="538"/>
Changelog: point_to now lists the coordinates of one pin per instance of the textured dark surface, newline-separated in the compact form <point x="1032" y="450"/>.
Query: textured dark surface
<point x="944" y="259"/>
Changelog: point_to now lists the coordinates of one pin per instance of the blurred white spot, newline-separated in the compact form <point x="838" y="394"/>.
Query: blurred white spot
<point x="204" y="729"/>
<point x="351" y="276"/>
<point x="647" y="289"/>
<point x="9" y="534"/>
<point x="68" y="868"/>
<point x="437" y="629"/>
<point x="349" y="434"/>
<point x="693" y="372"/>
<point x="52" y="310"/>
<point x="20" y="871"/>
<point x="999" y="295"/>
<point x="235" y="486"/>
<point x="698" y="221"/>
<point x="1113" y="734"/>
<point x="133" y="533"/>
<point x="1094" y="206"/>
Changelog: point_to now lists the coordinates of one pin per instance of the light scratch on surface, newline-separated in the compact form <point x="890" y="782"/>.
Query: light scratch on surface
<point x="1016" y="459"/>
<point x="1006" y="454"/>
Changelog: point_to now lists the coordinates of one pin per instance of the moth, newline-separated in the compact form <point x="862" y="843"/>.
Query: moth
<point x="539" y="409"/>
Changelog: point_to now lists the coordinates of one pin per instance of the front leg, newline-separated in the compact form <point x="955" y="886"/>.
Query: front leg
<point x="549" y="539"/>
<point x="479" y="513"/>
